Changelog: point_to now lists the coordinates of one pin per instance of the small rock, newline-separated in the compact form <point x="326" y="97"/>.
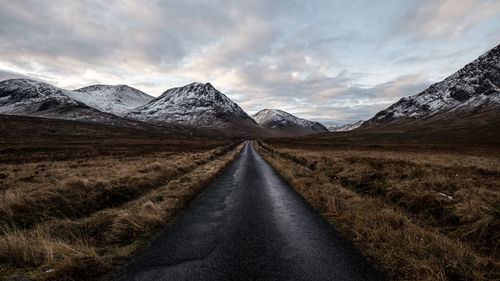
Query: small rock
<point x="445" y="195"/>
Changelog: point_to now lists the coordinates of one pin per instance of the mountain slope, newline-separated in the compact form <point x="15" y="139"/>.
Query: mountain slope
<point x="286" y="122"/>
<point x="473" y="88"/>
<point x="33" y="98"/>
<point x="345" y="127"/>
<point x="195" y="105"/>
<point x="28" y="97"/>
<point x="114" y="99"/>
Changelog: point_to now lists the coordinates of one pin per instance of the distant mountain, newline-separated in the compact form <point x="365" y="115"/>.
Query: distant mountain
<point x="33" y="98"/>
<point x="28" y="97"/>
<point x="195" y="104"/>
<point x="474" y="88"/>
<point x="114" y="99"/>
<point x="345" y="127"/>
<point x="199" y="108"/>
<point x="287" y="123"/>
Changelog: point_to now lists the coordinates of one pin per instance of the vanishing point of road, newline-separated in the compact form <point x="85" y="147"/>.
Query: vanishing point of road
<point x="249" y="224"/>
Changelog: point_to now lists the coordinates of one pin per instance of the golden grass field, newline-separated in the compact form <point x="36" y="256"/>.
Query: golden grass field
<point x="78" y="209"/>
<point x="418" y="212"/>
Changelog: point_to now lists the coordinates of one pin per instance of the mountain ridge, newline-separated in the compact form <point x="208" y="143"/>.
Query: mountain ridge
<point x="28" y="97"/>
<point x="345" y="127"/>
<point x="287" y="123"/>
<point x="195" y="104"/>
<point x="114" y="99"/>
<point x="474" y="87"/>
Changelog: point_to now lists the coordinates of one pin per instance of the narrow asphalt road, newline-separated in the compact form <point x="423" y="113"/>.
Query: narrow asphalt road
<point x="250" y="225"/>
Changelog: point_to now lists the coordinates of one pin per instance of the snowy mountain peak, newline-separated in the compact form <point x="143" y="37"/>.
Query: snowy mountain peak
<point x="267" y="116"/>
<point x="37" y="88"/>
<point x="200" y="84"/>
<point x="279" y="119"/>
<point x="26" y="96"/>
<point x="475" y="86"/>
<point x="195" y="104"/>
<point x="102" y="87"/>
<point x="204" y="90"/>
<point x="115" y="99"/>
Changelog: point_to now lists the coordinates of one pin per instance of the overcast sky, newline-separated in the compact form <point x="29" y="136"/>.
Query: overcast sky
<point x="337" y="61"/>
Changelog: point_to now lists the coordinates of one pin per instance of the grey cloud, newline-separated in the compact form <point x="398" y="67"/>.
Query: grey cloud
<point x="322" y="97"/>
<point x="289" y="54"/>
<point x="91" y="30"/>
<point x="4" y="75"/>
<point x="335" y="98"/>
<point x="446" y="18"/>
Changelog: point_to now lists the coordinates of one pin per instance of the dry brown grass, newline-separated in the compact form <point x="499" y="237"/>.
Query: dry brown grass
<point x="79" y="189"/>
<point x="418" y="214"/>
<point x="79" y="218"/>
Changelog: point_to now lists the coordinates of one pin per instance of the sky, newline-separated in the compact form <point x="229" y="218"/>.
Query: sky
<point x="330" y="61"/>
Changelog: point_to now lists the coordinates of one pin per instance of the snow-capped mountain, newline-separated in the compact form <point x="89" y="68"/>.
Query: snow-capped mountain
<point x="345" y="127"/>
<point x="197" y="105"/>
<point x="284" y="121"/>
<point x="474" y="87"/>
<point x="28" y="97"/>
<point x="114" y="99"/>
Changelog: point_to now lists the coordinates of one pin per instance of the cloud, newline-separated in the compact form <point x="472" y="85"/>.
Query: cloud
<point x="337" y="60"/>
<point x="447" y="18"/>
<point x="4" y="75"/>
<point x="347" y="104"/>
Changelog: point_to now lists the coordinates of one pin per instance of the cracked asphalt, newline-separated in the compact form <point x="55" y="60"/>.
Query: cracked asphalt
<point x="249" y="224"/>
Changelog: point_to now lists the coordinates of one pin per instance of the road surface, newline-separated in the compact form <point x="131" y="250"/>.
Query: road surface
<point x="250" y="225"/>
